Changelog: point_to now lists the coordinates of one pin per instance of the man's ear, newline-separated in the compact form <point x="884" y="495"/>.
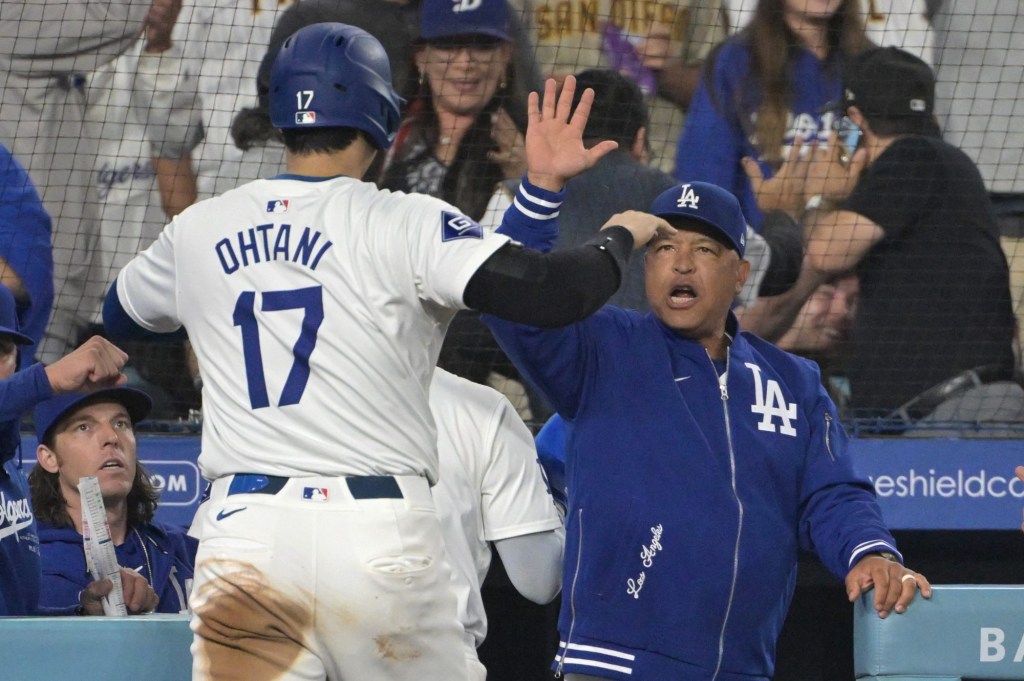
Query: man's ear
<point x="744" y="272"/>
<point x="47" y="459"/>
<point x="638" y="150"/>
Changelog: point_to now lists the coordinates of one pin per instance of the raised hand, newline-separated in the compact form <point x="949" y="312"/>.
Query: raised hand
<point x="554" y="142"/>
<point x="785" y="190"/>
<point x="96" y="364"/>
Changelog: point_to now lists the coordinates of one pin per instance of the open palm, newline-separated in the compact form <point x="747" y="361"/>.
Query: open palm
<point x="554" y="141"/>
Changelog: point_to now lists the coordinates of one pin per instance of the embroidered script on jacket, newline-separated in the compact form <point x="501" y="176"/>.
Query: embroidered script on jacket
<point x="647" y="554"/>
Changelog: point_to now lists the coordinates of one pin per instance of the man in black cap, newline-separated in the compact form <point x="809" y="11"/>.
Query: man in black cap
<point x="918" y="229"/>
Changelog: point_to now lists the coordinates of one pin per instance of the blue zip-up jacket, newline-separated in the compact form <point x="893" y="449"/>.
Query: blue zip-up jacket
<point x="167" y="563"/>
<point x="19" y="543"/>
<point x="689" y="497"/>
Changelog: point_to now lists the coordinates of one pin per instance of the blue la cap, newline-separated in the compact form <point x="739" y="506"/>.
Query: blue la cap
<point x="9" y="318"/>
<point x="50" y="411"/>
<point x="446" y="18"/>
<point x="707" y="203"/>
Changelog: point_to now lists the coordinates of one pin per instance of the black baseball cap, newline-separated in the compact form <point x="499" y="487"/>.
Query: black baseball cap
<point x="887" y="82"/>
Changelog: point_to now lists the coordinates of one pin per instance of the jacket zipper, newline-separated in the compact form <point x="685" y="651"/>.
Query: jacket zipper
<point x="739" y="505"/>
<point x="572" y="596"/>
<point x="828" y="436"/>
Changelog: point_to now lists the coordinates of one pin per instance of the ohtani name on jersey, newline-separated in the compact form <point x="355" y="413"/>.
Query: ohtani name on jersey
<point x="269" y="242"/>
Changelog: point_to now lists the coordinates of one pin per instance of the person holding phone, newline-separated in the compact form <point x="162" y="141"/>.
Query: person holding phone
<point x="759" y="100"/>
<point x="914" y="221"/>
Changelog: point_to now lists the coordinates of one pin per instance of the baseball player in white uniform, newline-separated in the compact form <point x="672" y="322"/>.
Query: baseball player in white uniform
<point x="223" y="42"/>
<point x="491" y="490"/>
<point x="316" y="305"/>
<point x="55" y="58"/>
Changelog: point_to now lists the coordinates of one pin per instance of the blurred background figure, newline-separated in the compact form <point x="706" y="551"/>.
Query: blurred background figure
<point x="979" y="74"/>
<point x="660" y="46"/>
<point x="55" y="59"/>
<point x="905" y="24"/>
<point x="26" y="261"/>
<point x="821" y="329"/>
<point x="762" y="90"/>
<point x="462" y="133"/>
<point x="461" y="136"/>
<point x="916" y="213"/>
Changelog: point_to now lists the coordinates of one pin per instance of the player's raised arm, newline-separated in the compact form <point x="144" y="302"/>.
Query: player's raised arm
<point x="555" y="289"/>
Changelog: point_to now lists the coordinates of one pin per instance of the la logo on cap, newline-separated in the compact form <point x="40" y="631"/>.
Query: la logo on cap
<point x="466" y="5"/>
<point x="688" y="198"/>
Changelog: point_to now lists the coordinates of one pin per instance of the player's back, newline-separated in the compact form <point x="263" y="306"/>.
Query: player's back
<point x="491" y="487"/>
<point x="317" y="310"/>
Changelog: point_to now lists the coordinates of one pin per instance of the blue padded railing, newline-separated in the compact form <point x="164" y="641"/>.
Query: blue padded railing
<point x="963" y="632"/>
<point x="150" y="647"/>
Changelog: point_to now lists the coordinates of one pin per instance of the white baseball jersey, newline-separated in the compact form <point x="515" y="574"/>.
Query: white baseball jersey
<point x="224" y="42"/>
<point x="491" y="486"/>
<point x="317" y="311"/>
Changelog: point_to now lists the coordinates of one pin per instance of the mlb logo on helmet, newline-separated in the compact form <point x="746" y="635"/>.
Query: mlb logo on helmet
<point x="277" y="206"/>
<point x="305" y="117"/>
<point x="315" y="493"/>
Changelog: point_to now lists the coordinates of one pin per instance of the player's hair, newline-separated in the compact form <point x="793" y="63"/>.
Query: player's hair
<point x="252" y="128"/>
<point x="50" y="506"/>
<point x="767" y="88"/>
<point x="322" y="140"/>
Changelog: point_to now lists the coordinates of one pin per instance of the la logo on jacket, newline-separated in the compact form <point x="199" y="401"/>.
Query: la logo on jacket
<point x="770" y="404"/>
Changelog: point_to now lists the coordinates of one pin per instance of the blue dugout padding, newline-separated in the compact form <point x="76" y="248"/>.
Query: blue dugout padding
<point x="937" y="484"/>
<point x="964" y="631"/>
<point x="151" y="647"/>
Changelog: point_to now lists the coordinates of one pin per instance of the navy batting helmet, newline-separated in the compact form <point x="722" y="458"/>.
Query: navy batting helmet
<point x="334" y="75"/>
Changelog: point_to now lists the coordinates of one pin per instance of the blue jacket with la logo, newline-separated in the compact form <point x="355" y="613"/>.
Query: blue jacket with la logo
<point x="689" y="496"/>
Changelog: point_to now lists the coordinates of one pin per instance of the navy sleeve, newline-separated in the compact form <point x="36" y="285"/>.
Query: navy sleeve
<point x="120" y="326"/>
<point x="840" y="518"/>
<point x="530" y="219"/>
<point x="23" y="391"/>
